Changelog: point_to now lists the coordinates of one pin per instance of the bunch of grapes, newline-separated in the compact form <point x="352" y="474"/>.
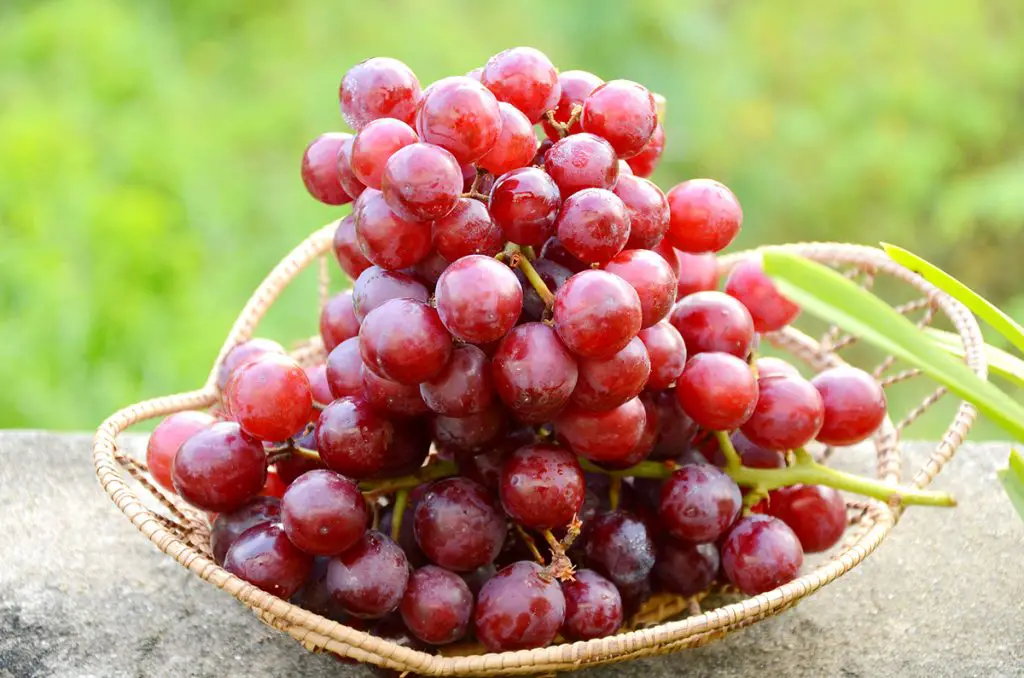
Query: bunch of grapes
<point x="535" y="399"/>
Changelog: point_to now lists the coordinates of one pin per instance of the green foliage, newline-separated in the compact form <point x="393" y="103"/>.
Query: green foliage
<point x="149" y="150"/>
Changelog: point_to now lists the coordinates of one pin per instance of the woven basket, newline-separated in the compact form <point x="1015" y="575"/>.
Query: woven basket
<point x="662" y="626"/>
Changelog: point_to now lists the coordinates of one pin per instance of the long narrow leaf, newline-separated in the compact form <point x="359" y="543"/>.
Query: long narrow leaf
<point x="825" y="293"/>
<point x="999" y="362"/>
<point x="981" y="307"/>
<point x="1012" y="479"/>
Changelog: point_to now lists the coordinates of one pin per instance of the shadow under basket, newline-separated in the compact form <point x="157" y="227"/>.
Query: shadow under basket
<point x="665" y="623"/>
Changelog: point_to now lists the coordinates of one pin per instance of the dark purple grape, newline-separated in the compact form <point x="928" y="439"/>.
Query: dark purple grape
<point x="685" y="569"/>
<point x="593" y="607"/>
<point x="617" y="545"/>
<point x="227" y="527"/>
<point x="699" y="503"/>
<point x="437" y="605"/>
<point x="458" y="526"/>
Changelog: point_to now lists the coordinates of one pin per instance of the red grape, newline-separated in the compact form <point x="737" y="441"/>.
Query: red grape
<point x="228" y="527"/>
<point x="525" y="78"/>
<point x="697" y="273"/>
<point x="346" y="177"/>
<point x="521" y="607"/>
<point x="686" y="569"/>
<point x="338" y="320"/>
<point x="617" y="545"/>
<point x="854" y="405"/>
<point x="713" y="321"/>
<point x="421" y="182"/>
<point x="761" y="553"/>
<point x="605" y="384"/>
<point x="717" y="390"/>
<point x="483" y="468"/>
<point x="704" y="216"/>
<point x="576" y="87"/>
<point x="788" y="415"/>
<point x="555" y="251"/>
<point x="596" y="314"/>
<point x="274" y="487"/>
<point x="654" y="282"/>
<point x="676" y="430"/>
<point x="554" y="276"/>
<point x="320" y="169"/>
<point x="375" y="144"/>
<point x="352" y="438"/>
<point x="271" y="398"/>
<point x="392" y="398"/>
<point x="343" y="370"/>
<point x="699" y="503"/>
<point x="607" y="436"/>
<point x="375" y="286"/>
<point x="479" y="299"/>
<point x="770" y="310"/>
<point x="647" y="208"/>
<point x="409" y="448"/>
<point x="815" y="513"/>
<point x="582" y="161"/>
<point x="219" y="468"/>
<point x="380" y="87"/>
<point x="346" y="248"/>
<point x="460" y="115"/>
<point x="243" y="353"/>
<point x="167" y="438"/>
<point x="644" y="162"/>
<point x="323" y="513"/>
<point x="463" y="387"/>
<point x="534" y="374"/>
<point x="666" y="352"/>
<point x="296" y="465"/>
<point x="593" y="607"/>
<point x="458" y="526"/>
<point x="542" y="486"/>
<point x="437" y="605"/>
<point x="593" y="225"/>
<point x="524" y="204"/>
<point x="404" y="340"/>
<point x="768" y="366"/>
<point x="369" y="579"/>
<point x="318" y="386"/>
<point x="263" y="556"/>
<point x="624" y="113"/>
<point x="467" y="229"/>
<point x="516" y="145"/>
<point x="386" y="239"/>
<point x="472" y="433"/>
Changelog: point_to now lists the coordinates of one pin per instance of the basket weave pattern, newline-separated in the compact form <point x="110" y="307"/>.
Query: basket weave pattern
<point x="183" y="533"/>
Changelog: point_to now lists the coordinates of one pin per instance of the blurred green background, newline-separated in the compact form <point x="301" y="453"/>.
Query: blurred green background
<point x="149" y="151"/>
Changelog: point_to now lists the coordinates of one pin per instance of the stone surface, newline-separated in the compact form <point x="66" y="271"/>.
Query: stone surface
<point x="83" y="594"/>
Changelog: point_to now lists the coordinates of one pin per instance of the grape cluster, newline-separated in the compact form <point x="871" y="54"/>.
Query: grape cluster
<point x="534" y="358"/>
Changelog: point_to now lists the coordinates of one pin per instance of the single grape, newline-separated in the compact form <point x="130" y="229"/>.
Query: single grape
<point x="718" y="391"/>
<point x="676" y="430"/>
<point x="352" y="438"/>
<point x="243" y="353"/>
<point x="318" y="386"/>
<point x="651" y="277"/>
<point x="768" y="366"/>
<point x="699" y="503"/>
<point x="647" y="208"/>
<point x="380" y="87"/>
<point x="593" y="225"/>
<point x="323" y="513"/>
<point x="854" y="405"/>
<point x="554" y="250"/>
<point x="644" y="162"/>
<point x="606" y="384"/>
<point x="467" y="229"/>
<point x="788" y="415"/>
<point x="704" y="216"/>
<point x="463" y="387"/>
<point x="582" y="161"/>
<point x="271" y="398"/>
<point x="437" y="605"/>
<point x="263" y="556"/>
<point x="409" y="448"/>
<point x="338" y="320"/>
<point x="369" y="579"/>
<point x="697" y="273"/>
<point x="524" y="204"/>
<point x="405" y="341"/>
<point x="666" y="353"/>
<point x="167" y="438"/>
<point x="593" y="607"/>
<point x="228" y="527"/>
<point x="392" y="398"/>
<point x="472" y="433"/>
<point x="542" y="486"/>
<point x="534" y="374"/>
<point x="375" y="144"/>
<point x="648" y="436"/>
<point x="713" y="321"/>
<point x="596" y="314"/>
<point x="624" y="113"/>
<point x="770" y="310"/>
<point x="479" y="299"/>
<point x="617" y="546"/>
<point x="525" y="78"/>
<point x="519" y="608"/>
<point x="375" y="286"/>
<point x="421" y="182"/>
<point x="385" y="238"/>
<point x="576" y="87"/>
<point x="554" y="276"/>
<point x="346" y="177"/>
<point x="686" y="569"/>
<point x="343" y="370"/>
<point x="634" y="596"/>
<point x="458" y="526"/>
<point x="815" y="513"/>
<point x="761" y="553"/>
<point x="461" y="116"/>
<point x="320" y="169"/>
<point x="516" y="144"/>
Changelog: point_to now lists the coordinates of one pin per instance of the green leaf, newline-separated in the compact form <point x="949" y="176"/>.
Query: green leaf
<point x="981" y="307"/>
<point x="999" y="361"/>
<point x="825" y="293"/>
<point x="1012" y="479"/>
